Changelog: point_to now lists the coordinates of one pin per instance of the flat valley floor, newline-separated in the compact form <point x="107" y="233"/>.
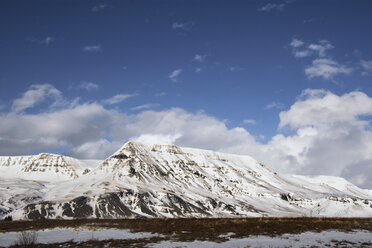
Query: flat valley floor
<point x="218" y="232"/>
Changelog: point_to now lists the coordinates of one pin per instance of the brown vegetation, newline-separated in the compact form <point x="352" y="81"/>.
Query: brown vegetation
<point x="26" y="239"/>
<point x="195" y="229"/>
<point x="240" y="226"/>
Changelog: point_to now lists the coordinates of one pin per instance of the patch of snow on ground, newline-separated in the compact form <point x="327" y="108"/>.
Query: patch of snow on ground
<point x="59" y="235"/>
<point x="306" y="239"/>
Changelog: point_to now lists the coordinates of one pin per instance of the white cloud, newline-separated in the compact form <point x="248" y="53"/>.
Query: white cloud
<point x="367" y="66"/>
<point x="87" y="86"/>
<point x="159" y="94"/>
<point x="321" y="107"/>
<point x="34" y="95"/>
<point x="100" y="148"/>
<point x="100" y="7"/>
<point x="117" y="99"/>
<point x="331" y="137"/>
<point x="144" y="106"/>
<point x="181" y="27"/>
<point x="330" y="134"/>
<point x="196" y="129"/>
<point x="48" y="40"/>
<point x="234" y="68"/>
<point x="95" y="48"/>
<point x="276" y="6"/>
<point x="321" y="47"/>
<point x="299" y="51"/>
<point x="296" y="43"/>
<point x="157" y="138"/>
<point x="60" y="128"/>
<point x="198" y="70"/>
<point x="272" y="6"/>
<point x="321" y="66"/>
<point x="302" y="53"/>
<point x="327" y="69"/>
<point x="276" y="105"/>
<point x="177" y="25"/>
<point x="175" y="74"/>
<point x="251" y="122"/>
<point x="200" y="58"/>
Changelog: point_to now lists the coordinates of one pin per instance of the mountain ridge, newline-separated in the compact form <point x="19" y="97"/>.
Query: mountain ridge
<point x="155" y="180"/>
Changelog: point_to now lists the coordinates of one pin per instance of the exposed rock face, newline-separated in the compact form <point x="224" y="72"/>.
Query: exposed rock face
<point x="168" y="181"/>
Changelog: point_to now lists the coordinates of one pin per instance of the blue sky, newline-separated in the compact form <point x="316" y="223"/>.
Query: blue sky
<point x="177" y="69"/>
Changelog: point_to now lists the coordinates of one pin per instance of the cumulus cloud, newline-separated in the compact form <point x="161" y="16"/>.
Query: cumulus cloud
<point x="175" y="74"/>
<point x="321" y="107"/>
<point x="118" y="98"/>
<point x="67" y="127"/>
<point x="34" y="95"/>
<point x="92" y="49"/>
<point x="329" y="134"/>
<point x="327" y="69"/>
<point x="193" y="129"/>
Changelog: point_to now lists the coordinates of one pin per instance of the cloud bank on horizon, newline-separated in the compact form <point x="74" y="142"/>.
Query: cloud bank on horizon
<point x="329" y="133"/>
<point x="286" y="82"/>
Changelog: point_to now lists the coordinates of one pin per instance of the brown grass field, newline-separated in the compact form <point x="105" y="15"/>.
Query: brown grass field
<point x="190" y="229"/>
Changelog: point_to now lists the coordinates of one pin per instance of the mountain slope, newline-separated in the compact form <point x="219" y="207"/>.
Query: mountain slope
<point x="169" y="181"/>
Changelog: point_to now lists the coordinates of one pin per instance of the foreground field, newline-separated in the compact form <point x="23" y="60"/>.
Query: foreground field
<point x="224" y="232"/>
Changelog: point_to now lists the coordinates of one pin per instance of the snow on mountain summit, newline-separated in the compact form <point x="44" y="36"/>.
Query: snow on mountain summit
<point x="142" y="180"/>
<point x="44" y="167"/>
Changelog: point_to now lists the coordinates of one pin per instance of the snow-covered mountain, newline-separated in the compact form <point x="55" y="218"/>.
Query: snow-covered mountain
<point x="43" y="167"/>
<point x="168" y="181"/>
